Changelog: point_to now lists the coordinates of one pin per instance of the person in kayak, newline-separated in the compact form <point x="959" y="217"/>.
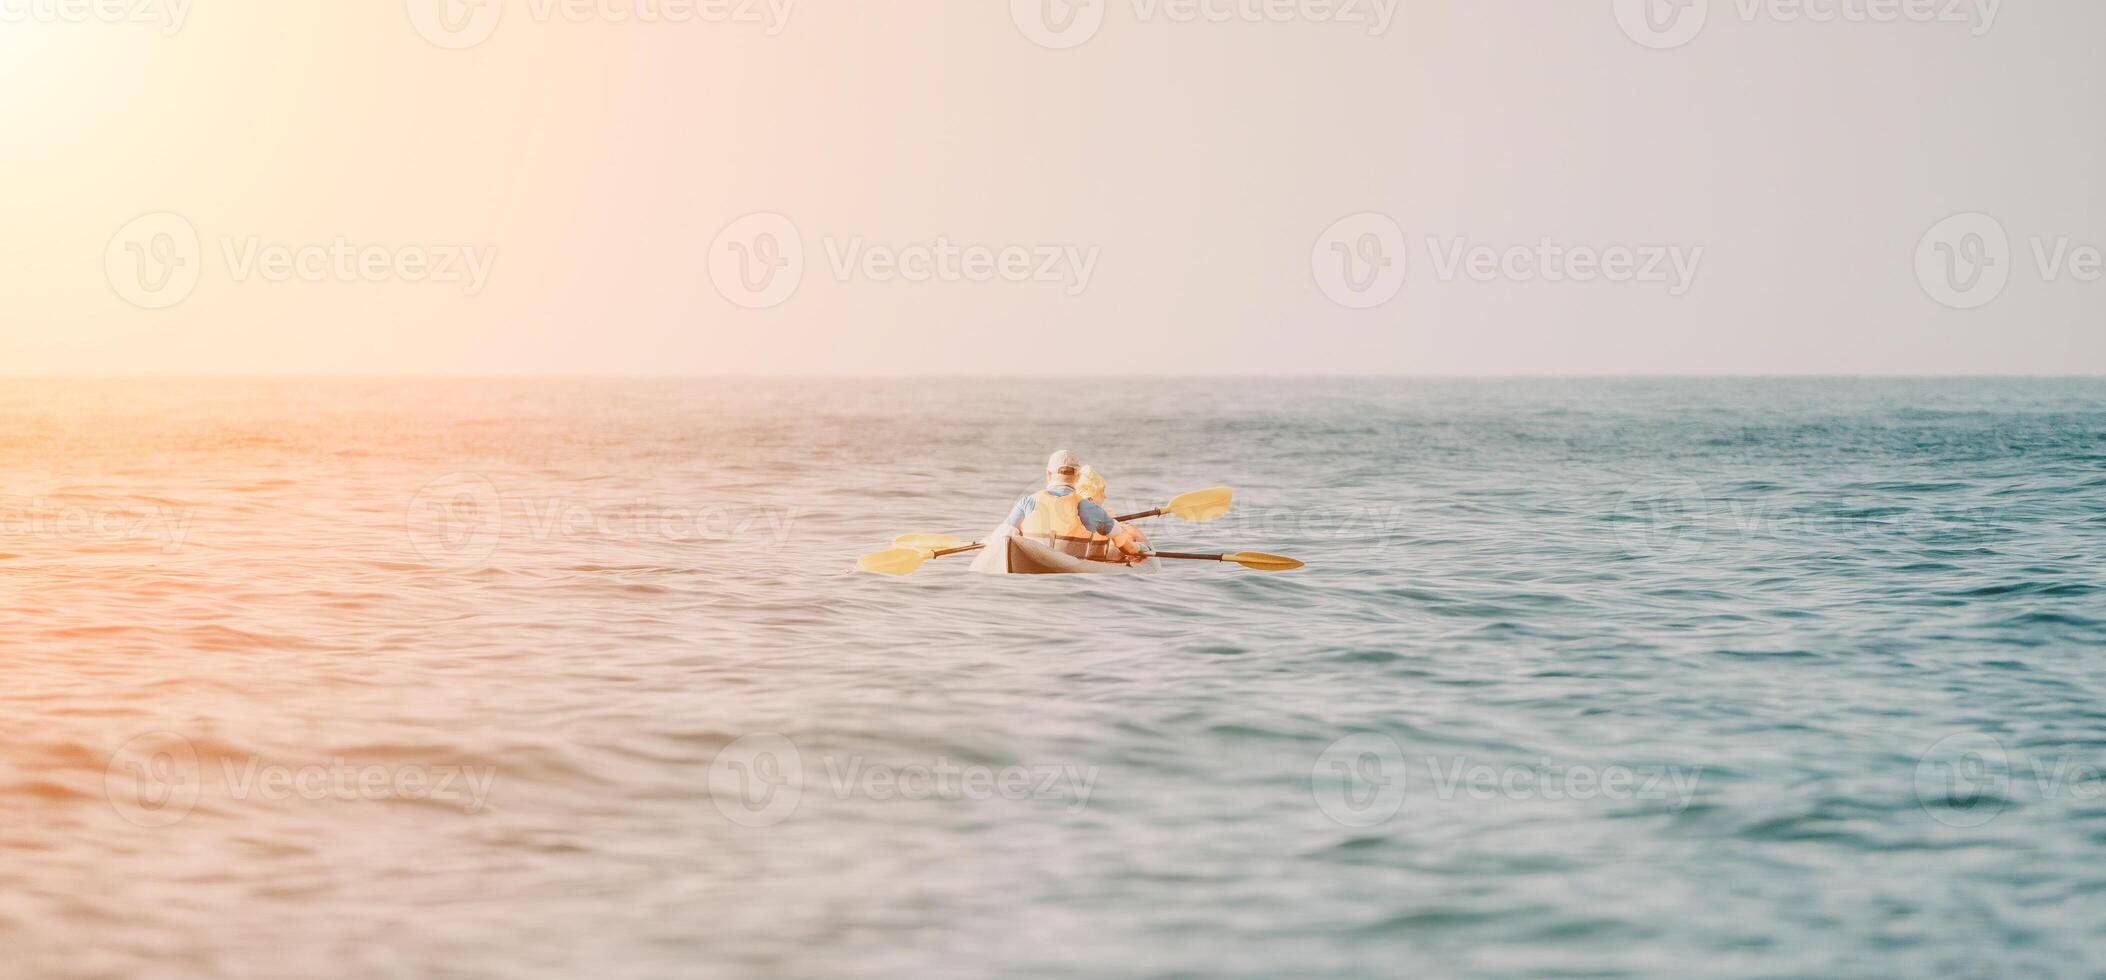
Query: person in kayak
<point x="1062" y="516"/>
<point x="1068" y="519"/>
<point x="1127" y="538"/>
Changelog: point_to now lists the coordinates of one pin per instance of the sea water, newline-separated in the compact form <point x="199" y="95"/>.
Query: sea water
<point x="572" y="678"/>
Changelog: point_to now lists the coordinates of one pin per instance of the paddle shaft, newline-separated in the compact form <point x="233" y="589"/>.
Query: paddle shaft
<point x="1172" y="554"/>
<point x="1158" y="512"/>
<point x="954" y="551"/>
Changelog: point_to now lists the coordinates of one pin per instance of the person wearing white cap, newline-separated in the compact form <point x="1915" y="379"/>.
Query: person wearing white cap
<point x="1061" y="516"/>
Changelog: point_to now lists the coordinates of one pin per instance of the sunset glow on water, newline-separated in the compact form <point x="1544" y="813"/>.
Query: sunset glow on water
<point x="1052" y="488"/>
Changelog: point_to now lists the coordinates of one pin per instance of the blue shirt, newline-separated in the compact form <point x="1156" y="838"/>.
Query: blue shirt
<point x="1093" y="516"/>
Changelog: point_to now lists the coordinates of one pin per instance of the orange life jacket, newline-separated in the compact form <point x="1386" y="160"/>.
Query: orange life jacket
<point x="1057" y="520"/>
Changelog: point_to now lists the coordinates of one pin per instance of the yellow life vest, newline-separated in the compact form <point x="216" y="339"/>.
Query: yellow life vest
<point x="1057" y="520"/>
<point x="1056" y="517"/>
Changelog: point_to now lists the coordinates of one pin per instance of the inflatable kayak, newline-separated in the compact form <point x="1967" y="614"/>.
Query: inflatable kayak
<point x="1023" y="556"/>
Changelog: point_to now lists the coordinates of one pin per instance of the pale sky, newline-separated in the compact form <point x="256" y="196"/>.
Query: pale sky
<point x="1206" y="188"/>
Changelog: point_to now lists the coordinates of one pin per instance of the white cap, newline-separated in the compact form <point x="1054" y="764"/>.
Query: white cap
<point x="1063" y="460"/>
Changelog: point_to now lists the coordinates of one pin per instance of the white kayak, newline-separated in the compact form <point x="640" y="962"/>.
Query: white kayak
<point x="1012" y="555"/>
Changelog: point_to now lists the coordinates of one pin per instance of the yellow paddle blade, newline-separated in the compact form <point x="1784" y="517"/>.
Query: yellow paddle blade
<point x="1201" y="505"/>
<point x="929" y="542"/>
<point x="1262" y="562"/>
<point x="897" y="561"/>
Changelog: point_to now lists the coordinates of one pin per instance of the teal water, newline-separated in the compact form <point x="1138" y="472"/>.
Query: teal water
<point x="1593" y="678"/>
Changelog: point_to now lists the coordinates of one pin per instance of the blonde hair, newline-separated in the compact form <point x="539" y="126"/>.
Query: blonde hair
<point x="1090" y="483"/>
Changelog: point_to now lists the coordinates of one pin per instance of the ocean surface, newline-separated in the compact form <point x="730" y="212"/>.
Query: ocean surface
<point x="572" y="679"/>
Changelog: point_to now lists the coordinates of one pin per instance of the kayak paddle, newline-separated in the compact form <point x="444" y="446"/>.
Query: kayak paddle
<point x="903" y="561"/>
<point x="1197" y="506"/>
<point x="915" y="549"/>
<point x="1253" y="560"/>
<point x="909" y="551"/>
